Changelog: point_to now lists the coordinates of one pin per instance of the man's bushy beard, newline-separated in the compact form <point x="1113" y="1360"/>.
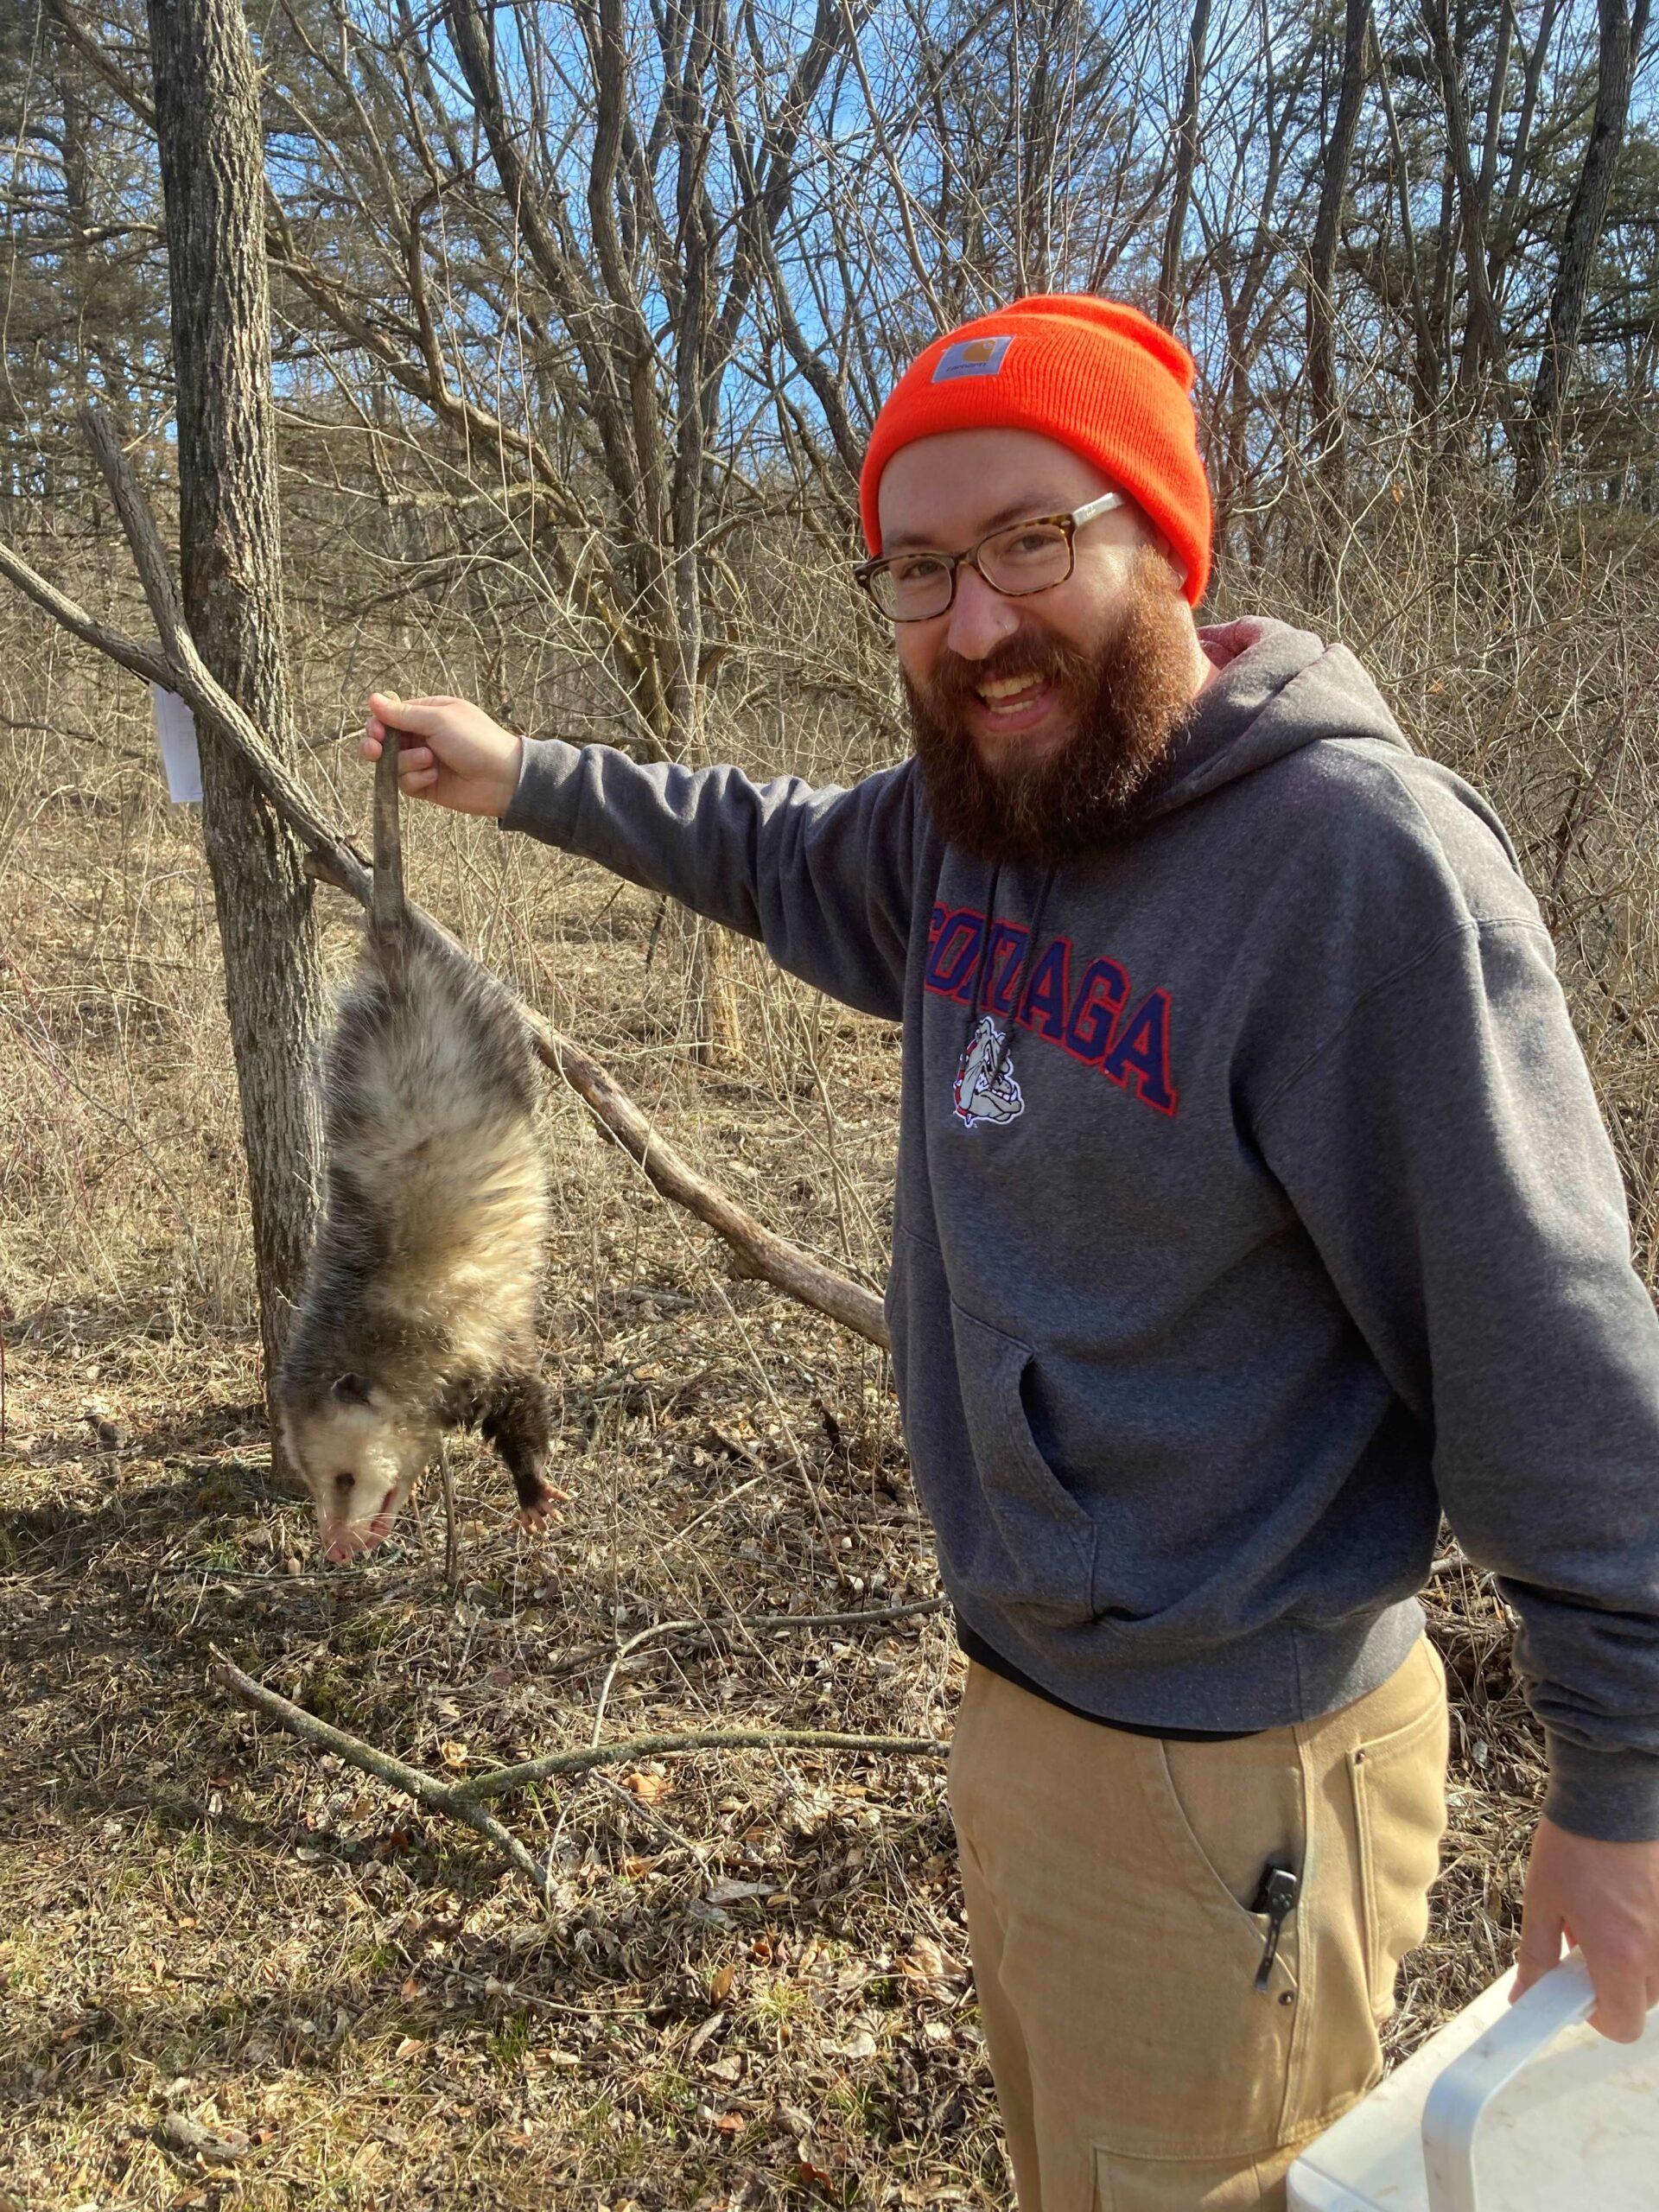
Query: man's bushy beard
<point x="1127" y="702"/>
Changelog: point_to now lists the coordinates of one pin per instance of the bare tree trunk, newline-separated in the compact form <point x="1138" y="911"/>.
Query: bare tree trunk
<point x="1043" y="95"/>
<point x="1482" y="341"/>
<point x="1425" y="363"/>
<point x="1622" y="33"/>
<point x="1187" y="160"/>
<point x="1328" y="449"/>
<point x="212" y="174"/>
<point x="1505" y="235"/>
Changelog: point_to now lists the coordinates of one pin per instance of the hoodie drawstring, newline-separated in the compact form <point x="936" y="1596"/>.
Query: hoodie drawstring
<point x="984" y="948"/>
<point x="1028" y="961"/>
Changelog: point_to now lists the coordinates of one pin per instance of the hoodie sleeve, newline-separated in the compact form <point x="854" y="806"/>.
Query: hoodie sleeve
<point x="1444" y="1149"/>
<point x="821" y="877"/>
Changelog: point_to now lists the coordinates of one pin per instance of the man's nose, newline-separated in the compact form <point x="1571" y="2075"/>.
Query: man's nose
<point x="981" y="618"/>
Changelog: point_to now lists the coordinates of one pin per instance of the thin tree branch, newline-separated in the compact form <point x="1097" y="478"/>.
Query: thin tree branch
<point x="413" y="1781"/>
<point x="705" y="1630"/>
<point x="101" y="63"/>
<point x="139" y="659"/>
<point x="505" y="1779"/>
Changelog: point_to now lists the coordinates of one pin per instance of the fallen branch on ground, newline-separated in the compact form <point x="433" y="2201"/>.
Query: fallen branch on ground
<point x="425" y="1789"/>
<point x="178" y="667"/>
<point x="502" y="1780"/>
<point x="712" y="1624"/>
<point x="459" y="1800"/>
<point x="660" y="1631"/>
<point x="1455" y="1560"/>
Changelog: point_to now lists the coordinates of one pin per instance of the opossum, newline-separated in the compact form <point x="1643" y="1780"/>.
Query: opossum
<point x="419" y="1309"/>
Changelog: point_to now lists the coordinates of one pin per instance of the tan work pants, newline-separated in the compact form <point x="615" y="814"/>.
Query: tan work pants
<point x="1108" y="1877"/>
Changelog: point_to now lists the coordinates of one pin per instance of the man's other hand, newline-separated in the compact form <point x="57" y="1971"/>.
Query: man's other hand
<point x="1605" y="1897"/>
<point x="452" y="751"/>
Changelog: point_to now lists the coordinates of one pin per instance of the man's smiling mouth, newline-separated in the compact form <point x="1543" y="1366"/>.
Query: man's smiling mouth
<point x="1014" y="700"/>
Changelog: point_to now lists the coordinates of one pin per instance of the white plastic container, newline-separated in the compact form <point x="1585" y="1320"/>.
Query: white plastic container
<point x="1518" y="2108"/>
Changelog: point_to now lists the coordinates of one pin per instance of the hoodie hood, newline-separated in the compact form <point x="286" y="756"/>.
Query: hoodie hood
<point x="1276" y="690"/>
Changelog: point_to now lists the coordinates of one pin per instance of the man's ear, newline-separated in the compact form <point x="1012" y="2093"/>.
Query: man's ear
<point x="1166" y="552"/>
<point x="1155" y="558"/>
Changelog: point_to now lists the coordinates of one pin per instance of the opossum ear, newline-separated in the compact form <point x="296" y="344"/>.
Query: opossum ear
<point x="351" y="1389"/>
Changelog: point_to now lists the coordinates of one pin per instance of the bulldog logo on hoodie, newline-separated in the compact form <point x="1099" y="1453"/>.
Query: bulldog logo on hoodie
<point x="985" y="1089"/>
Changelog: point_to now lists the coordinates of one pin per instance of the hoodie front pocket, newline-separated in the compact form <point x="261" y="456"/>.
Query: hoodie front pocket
<point x="1036" y="1547"/>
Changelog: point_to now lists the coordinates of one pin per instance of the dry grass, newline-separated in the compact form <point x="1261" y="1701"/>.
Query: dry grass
<point x="754" y="1993"/>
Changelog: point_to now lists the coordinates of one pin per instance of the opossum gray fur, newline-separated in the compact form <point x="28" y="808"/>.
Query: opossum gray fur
<point x="419" y="1310"/>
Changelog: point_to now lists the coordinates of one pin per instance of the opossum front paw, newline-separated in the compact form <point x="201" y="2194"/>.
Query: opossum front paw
<point x="534" y="1519"/>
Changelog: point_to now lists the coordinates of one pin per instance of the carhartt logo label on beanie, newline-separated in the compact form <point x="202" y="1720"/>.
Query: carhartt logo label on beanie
<point x="1095" y="375"/>
<point x="972" y="356"/>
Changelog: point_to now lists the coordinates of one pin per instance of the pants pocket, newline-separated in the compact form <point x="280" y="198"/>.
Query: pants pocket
<point x="1238" y="1805"/>
<point x="1217" y="1812"/>
<point x="1399" y="1790"/>
<point x="1182" y="2184"/>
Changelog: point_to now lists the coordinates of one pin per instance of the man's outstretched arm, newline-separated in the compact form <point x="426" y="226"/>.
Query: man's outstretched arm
<point x="823" y="877"/>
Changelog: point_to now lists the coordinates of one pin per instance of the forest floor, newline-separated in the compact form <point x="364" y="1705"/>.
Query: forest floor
<point x="234" y="1972"/>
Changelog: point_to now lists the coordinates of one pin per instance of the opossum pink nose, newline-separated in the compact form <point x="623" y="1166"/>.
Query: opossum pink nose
<point x="343" y="1547"/>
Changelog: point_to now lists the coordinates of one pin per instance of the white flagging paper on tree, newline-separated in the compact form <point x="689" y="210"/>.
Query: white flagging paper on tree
<point x="176" y="728"/>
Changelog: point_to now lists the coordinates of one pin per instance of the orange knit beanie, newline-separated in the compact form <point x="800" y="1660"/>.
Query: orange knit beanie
<point x="1092" y="374"/>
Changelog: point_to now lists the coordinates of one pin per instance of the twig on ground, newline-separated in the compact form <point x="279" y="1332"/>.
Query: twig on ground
<point x="1453" y="1560"/>
<point x="425" y="1789"/>
<point x="653" y="1819"/>
<point x="505" y="1779"/>
<point x="912" y="1609"/>
<point x="451" y="1531"/>
<point x="460" y="1799"/>
<point x="594" y="1655"/>
<point x="623" y="1651"/>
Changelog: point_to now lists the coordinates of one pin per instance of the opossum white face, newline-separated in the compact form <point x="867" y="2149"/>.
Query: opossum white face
<point x="359" y="1461"/>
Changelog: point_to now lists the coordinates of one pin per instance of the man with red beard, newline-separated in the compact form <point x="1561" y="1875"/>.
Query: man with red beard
<point x="1253" y="1208"/>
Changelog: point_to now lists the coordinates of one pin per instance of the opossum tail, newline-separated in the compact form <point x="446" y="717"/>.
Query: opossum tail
<point x="388" y="914"/>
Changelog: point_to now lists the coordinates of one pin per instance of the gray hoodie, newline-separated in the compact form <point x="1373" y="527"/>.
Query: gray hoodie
<point x="1252" y="1209"/>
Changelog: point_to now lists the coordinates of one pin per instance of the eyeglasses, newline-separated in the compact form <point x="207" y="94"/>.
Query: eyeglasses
<point x="1021" y="558"/>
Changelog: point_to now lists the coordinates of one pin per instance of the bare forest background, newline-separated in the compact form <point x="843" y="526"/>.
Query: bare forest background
<point x="579" y="315"/>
